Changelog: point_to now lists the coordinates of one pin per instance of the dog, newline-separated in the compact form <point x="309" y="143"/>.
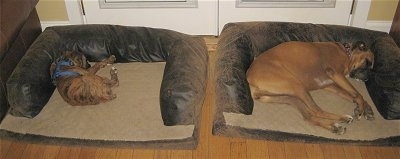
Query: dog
<point x="77" y="82"/>
<point x="292" y="69"/>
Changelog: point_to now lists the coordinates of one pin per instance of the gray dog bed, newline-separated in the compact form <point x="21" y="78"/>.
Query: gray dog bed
<point x="163" y="79"/>
<point x="238" y="115"/>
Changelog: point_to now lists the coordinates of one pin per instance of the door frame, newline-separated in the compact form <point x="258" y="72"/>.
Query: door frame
<point x="358" y="18"/>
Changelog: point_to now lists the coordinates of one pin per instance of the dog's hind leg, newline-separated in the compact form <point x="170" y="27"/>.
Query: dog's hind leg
<point x="96" y="67"/>
<point x="114" y="78"/>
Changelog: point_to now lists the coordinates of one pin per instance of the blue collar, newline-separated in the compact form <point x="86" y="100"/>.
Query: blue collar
<point x="59" y="73"/>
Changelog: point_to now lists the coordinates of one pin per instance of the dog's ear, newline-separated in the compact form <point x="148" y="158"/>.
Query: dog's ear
<point x="360" y="45"/>
<point x="370" y="64"/>
<point x="67" y="54"/>
<point x="52" y="68"/>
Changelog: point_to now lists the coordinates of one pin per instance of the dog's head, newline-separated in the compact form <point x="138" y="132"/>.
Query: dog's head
<point x="68" y="59"/>
<point x="361" y="61"/>
<point x="77" y="59"/>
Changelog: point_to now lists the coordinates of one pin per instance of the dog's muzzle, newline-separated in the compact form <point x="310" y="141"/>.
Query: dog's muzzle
<point x="360" y="74"/>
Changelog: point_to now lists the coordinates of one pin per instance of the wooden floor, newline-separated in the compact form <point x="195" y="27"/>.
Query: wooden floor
<point x="213" y="147"/>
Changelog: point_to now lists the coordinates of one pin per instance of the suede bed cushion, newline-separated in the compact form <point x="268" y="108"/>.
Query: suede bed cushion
<point x="240" y="43"/>
<point x="184" y="80"/>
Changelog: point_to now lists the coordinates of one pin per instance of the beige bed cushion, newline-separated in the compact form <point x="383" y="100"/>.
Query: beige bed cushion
<point x="133" y="116"/>
<point x="287" y="119"/>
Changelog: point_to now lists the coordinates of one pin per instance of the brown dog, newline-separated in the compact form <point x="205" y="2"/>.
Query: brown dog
<point x="293" y="69"/>
<point x="78" y="83"/>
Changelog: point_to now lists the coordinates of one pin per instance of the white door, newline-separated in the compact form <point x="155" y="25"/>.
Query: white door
<point x="307" y="11"/>
<point x="198" y="17"/>
<point x="207" y="17"/>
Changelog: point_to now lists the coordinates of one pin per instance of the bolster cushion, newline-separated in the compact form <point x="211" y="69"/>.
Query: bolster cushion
<point x="184" y="80"/>
<point x="241" y="42"/>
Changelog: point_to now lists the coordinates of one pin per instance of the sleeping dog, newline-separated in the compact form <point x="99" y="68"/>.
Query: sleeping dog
<point x="293" y="69"/>
<point x="78" y="83"/>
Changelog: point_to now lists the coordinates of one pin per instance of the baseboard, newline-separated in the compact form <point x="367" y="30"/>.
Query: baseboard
<point x="379" y="25"/>
<point x="46" y="24"/>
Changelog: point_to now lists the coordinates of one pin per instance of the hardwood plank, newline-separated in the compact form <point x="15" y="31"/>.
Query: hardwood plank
<point x="69" y="152"/>
<point x="257" y="149"/>
<point x="181" y="154"/>
<point x="368" y="152"/>
<point x="143" y="154"/>
<point x="4" y="147"/>
<point x="201" y="151"/>
<point x="314" y="151"/>
<point x="387" y="153"/>
<point x="33" y="151"/>
<point x="51" y="152"/>
<point x="219" y="147"/>
<point x="162" y="154"/>
<point x="106" y="153"/>
<point x="205" y="130"/>
<point x="88" y="153"/>
<point x="295" y="150"/>
<point x="238" y="150"/>
<point x="276" y="150"/>
<point x="124" y="154"/>
<point x="333" y="151"/>
<point x="352" y="152"/>
<point x="398" y="150"/>
<point x="16" y="149"/>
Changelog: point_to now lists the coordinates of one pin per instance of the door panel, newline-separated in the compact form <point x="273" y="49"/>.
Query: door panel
<point x="198" y="17"/>
<point x="290" y="11"/>
<point x="207" y="17"/>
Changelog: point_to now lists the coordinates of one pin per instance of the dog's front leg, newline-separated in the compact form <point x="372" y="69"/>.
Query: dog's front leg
<point x="335" y="89"/>
<point x="363" y="108"/>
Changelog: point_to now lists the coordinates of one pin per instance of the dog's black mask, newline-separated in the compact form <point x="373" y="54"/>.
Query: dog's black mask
<point x="362" y="73"/>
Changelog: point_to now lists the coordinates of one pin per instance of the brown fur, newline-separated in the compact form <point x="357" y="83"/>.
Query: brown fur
<point x="87" y="88"/>
<point x="293" y="69"/>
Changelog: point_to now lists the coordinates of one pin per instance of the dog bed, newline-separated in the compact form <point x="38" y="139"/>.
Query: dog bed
<point x="158" y="101"/>
<point x="238" y="115"/>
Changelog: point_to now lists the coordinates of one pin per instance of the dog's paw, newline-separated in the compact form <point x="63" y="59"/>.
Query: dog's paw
<point x="113" y="70"/>
<point x="111" y="59"/>
<point x="338" y="129"/>
<point x="347" y="119"/>
<point x="357" y="113"/>
<point x="369" y="114"/>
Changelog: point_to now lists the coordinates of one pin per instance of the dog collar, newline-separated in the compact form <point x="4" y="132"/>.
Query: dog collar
<point x="59" y="73"/>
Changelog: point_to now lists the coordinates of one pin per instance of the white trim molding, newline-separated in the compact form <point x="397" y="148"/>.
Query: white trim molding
<point x="75" y="12"/>
<point x="118" y="4"/>
<point x="360" y="12"/>
<point x="285" y="3"/>
<point x="46" y="24"/>
<point x="383" y="26"/>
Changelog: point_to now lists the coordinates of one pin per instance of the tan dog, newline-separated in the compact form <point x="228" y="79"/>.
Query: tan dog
<point x="293" y="69"/>
<point x="78" y="83"/>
